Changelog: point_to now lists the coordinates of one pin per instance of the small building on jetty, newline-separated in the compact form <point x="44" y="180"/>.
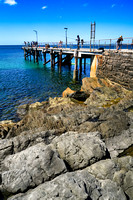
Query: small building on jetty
<point x="114" y="65"/>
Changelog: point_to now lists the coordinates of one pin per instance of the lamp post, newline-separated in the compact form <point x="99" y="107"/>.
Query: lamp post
<point x="66" y="35"/>
<point x="36" y="36"/>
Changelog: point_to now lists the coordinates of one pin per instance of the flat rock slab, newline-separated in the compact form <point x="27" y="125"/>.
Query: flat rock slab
<point x="25" y="140"/>
<point x="80" y="150"/>
<point x="30" y="168"/>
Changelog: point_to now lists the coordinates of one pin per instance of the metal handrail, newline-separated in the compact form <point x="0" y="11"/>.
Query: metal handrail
<point x="95" y="44"/>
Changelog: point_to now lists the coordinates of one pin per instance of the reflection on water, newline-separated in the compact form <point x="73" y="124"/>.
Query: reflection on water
<point x="27" y="82"/>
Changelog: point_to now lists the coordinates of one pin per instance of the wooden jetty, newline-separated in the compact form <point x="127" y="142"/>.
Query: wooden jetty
<point x="63" y="56"/>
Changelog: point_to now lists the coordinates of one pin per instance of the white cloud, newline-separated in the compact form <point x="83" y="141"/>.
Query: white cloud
<point x="10" y="2"/>
<point x="113" y="5"/>
<point x="44" y="7"/>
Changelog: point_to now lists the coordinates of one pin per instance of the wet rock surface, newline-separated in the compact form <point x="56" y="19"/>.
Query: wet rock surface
<point x="68" y="149"/>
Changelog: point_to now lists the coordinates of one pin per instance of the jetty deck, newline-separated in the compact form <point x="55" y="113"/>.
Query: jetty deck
<point x="62" y="56"/>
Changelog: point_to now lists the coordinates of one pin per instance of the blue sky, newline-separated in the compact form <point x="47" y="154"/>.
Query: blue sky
<point x="18" y="19"/>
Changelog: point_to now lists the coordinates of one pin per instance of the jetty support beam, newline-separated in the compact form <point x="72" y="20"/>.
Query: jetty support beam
<point x="75" y="72"/>
<point x="51" y="58"/>
<point x="44" y="57"/>
<point x="84" y="65"/>
<point x="67" y="60"/>
<point x="30" y="54"/>
<point x="60" y="60"/>
<point x="80" y="67"/>
<point x="36" y="55"/>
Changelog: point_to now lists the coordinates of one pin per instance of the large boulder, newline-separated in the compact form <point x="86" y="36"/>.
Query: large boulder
<point x="30" y="168"/>
<point x="79" y="185"/>
<point x="103" y="92"/>
<point x="80" y="150"/>
<point x="103" y="96"/>
<point x="89" y="84"/>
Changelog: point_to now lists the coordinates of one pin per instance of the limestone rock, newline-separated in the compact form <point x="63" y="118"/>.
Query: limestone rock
<point x="67" y="92"/>
<point x="89" y="84"/>
<point x="120" y="170"/>
<point x="78" y="185"/>
<point x="5" y="126"/>
<point x="103" y="96"/>
<point x="30" y="168"/>
<point x="80" y="150"/>
<point x="6" y="148"/>
<point x="25" y="140"/>
<point x="103" y="92"/>
<point x="113" y="123"/>
<point x="22" y="110"/>
<point x="117" y="144"/>
<point x="59" y="101"/>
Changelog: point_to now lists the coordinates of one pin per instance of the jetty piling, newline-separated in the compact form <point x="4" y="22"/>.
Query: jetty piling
<point x="75" y="72"/>
<point x="44" y="57"/>
<point x="84" y="65"/>
<point x="60" y="60"/>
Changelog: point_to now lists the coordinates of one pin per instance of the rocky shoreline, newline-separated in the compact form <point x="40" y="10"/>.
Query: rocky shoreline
<point x="79" y="146"/>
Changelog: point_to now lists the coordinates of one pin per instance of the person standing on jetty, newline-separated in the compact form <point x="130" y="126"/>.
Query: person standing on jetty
<point x="119" y="42"/>
<point x="78" y="41"/>
<point x="82" y="42"/>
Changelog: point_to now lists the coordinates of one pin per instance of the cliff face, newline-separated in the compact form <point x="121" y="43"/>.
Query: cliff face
<point x="70" y="149"/>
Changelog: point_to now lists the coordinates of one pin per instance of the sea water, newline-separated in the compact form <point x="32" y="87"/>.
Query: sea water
<point x="23" y="82"/>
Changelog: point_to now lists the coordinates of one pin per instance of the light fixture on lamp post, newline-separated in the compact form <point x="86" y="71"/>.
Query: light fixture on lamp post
<point x="36" y="36"/>
<point x="66" y="36"/>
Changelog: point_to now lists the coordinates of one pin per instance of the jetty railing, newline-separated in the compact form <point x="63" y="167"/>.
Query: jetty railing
<point x="108" y="44"/>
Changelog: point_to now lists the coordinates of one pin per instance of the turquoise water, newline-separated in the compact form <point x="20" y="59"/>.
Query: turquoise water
<point x="24" y="82"/>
